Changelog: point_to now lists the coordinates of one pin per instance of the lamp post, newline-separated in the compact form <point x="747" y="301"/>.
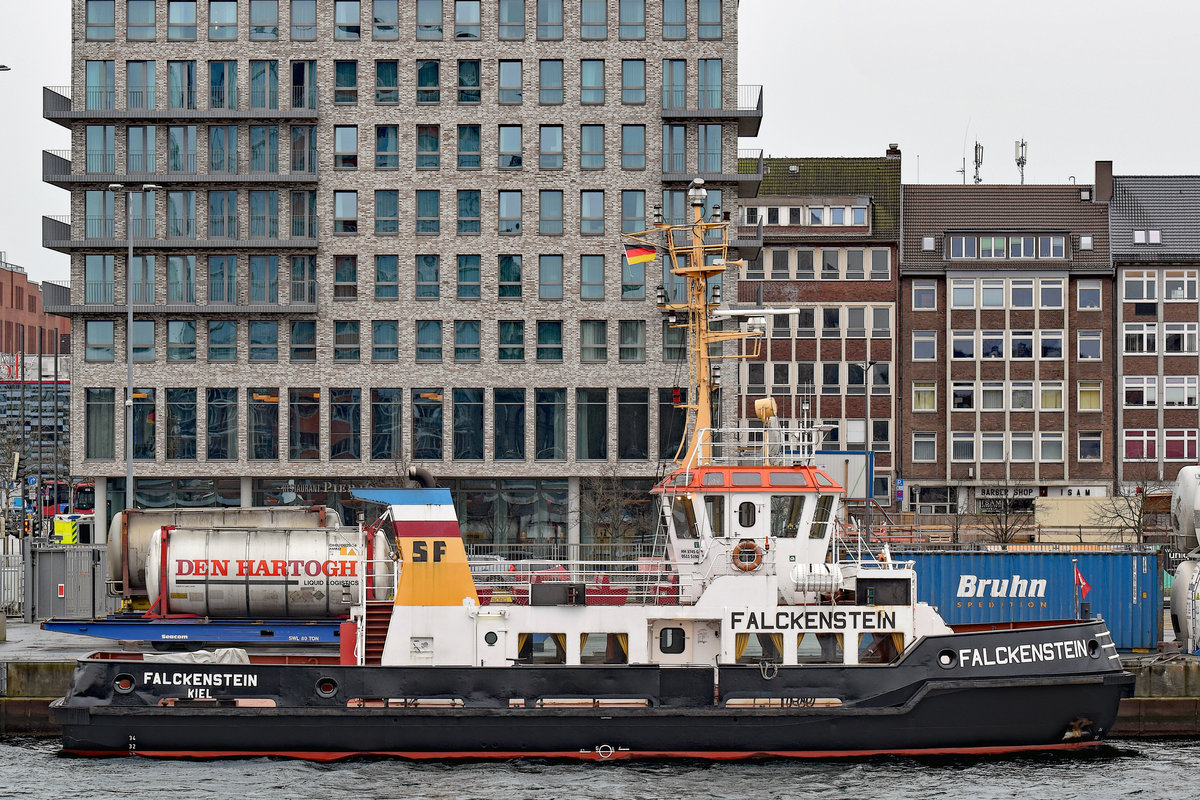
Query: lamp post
<point x="120" y="187"/>
<point x="867" y="365"/>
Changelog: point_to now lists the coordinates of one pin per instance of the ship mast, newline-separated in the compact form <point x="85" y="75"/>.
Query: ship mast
<point x="697" y="251"/>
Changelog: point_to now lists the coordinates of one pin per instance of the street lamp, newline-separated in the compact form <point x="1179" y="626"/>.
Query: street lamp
<point x="867" y="365"/>
<point x="120" y="187"/>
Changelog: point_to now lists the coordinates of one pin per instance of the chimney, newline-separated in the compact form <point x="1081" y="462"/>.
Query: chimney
<point x="893" y="150"/>
<point x="1104" y="181"/>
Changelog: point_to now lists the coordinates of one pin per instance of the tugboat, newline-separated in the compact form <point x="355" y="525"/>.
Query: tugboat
<point x="762" y="630"/>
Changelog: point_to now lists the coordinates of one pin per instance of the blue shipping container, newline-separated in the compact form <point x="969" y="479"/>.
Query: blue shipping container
<point x="981" y="587"/>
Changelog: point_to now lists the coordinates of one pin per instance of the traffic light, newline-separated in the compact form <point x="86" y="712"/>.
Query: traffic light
<point x="28" y="526"/>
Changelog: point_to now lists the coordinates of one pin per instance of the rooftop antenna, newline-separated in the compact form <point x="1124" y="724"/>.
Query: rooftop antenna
<point x="978" y="162"/>
<point x="1021" y="149"/>
<point x="963" y="171"/>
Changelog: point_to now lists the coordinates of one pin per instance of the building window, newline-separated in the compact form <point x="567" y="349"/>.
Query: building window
<point x="429" y="147"/>
<point x="992" y="396"/>
<point x="264" y="340"/>
<point x="1051" y="247"/>
<point x="1021" y="396"/>
<point x="549" y="340"/>
<point x="1020" y="344"/>
<point x="924" y="296"/>
<point x="387" y="82"/>
<point x="1140" y="445"/>
<point x="181" y="340"/>
<point x="992" y="294"/>
<point x="924" y="396"/>
<point x="1051" y="344"/>
<point x="550" y="82"/>
<point x="1179" y="285"/>
<point x="387" y="423"/>
<point x="1052" y="395"/>
<point x="468" y="211"/>
<point x="387" y="211"/>
<point x="427" y="424"/>
<point x="101" y="20"/>
<point x="509" y="417"/>
<point x="633" y="215"/>
<point x="924" y="444"/>
<point x="550" y="147"/>
<point x="345" y="212"/>
<point x="181" y="423"/>
<point x="385" y="17"/>
<point x="1140" y="337"/>
<point x="710" y="22"/>
<point x="510" y="277"/>
<point x="98" y="340"/>
<point x="1090" y="394"/>
<point x="1179" y="390"/>
<point x="674" y="19"/>
<point x="264" y="279"/>
<point x="1021" y="247"/>
<point x="429" y="277"/>
<point x="304" y="424"/>
<point x="512" y="19"/>
<point x="962" y="446"/>
<point x="591" y="147"/>
<point x="387" y="278"/>
<point x="429" y="82"/>
<point x="512" y="340"/>
<point x="222" y="427"/>
<point x="962" y="394"/>
<point x="591" y="213"/>
<point x="468" y="147"/>
<point x="1140" y="391"/>
<point x="509" y="222"/>
<point x="1089" y="295"/>
<point x="992" y="246"/>
<point x="98" y="278"/>
<point x="139" y="20"/>
<point x="347" y="19"/>
<point x="511" y="89"/>
<point x="594" y="19"/>
<point x="345" y="277"/>
<point x="962" y="294"/>
<point x="550" y="277"/>
<point x="1021" y="293"/>
<point x="345" y="424"/>
<point x="466" y="340"/>
<point x="345" y="147"/>
<point x="429" y="19"/>
<point x="466" y="19"/>
<point x="1179" y="445"/>
<point x="304" y="340"/>
<point x="991" y="446"/>
<point x="924" y="345"/>
<point x="633" y="81"/>
<point x="591" y="277"/>
<point x="1089" y="346"/>
<point x="100" y="433"/>
<point x="962" y="247"/>
<point x="222" y="340"/>
<point x="1051" y="293"/>
<point x="1179" y="337"/>
<point x="468" y="424"/>
<point x="304" y="20"/>
<point x="591" y="424"/>
<point x="633" y="147"/>
<point x="468" y="277"/>
<point x="385" y="340"/>
<point x="222" y="19"/>
<point x="591" y="82"/>
<point x="468" y="81"/>
<point x="429" y="340"/>
<point x="593" y="338"/>
<point x="632" y="335"/>
<point x="429" y="213"/>
<point x="346" y="345"/>
<point x="510" y="147"/>
<point x="1140" y="285"/>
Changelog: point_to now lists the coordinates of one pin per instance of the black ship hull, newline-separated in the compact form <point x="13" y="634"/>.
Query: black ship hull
<point x="916" y="706"/>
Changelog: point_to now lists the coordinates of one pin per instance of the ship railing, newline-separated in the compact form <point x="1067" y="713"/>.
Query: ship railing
<point x="646" y="581"/>
<point x="759" y="447"/>
<point x="850" y="546"/>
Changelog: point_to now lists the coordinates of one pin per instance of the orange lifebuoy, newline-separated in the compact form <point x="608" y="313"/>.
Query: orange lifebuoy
<point x="747" y="556"/>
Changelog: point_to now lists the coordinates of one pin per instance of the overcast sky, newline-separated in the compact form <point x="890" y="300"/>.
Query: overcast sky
<point x="1079" y="80"/>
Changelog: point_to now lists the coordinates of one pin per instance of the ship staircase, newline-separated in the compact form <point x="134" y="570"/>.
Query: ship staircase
<point x="376" y="623"/>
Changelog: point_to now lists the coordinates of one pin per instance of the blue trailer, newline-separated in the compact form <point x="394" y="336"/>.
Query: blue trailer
<point x="1025" y="586"/>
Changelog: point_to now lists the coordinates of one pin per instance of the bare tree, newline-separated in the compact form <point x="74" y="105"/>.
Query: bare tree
<point x="1125" y="511"/>
<point x="615" y="510"/>
<point x="1004" y="511"/>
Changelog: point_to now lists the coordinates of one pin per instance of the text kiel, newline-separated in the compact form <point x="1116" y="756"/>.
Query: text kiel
<point x="262" y="568"/>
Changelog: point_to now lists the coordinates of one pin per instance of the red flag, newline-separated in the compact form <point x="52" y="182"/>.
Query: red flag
<point x="1085" y="587"/>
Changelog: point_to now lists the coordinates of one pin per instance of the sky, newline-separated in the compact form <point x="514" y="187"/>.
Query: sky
<point x="1078" y="80"/>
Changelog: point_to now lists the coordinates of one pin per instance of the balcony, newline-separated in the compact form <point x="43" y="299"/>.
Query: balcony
<point x="56" y="170"/>
<point x="181" y="298"/>
<point x="700" y="105"/>
<point x="188" y="104"/>
<point x="181" y="233"/>
<point x="709" y="166"/>
<point x="747" y="240"/>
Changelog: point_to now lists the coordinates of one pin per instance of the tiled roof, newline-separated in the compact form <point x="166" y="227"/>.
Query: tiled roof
<point x="1166" y="203"/>
<point x="877" y="178"/>
<point x="934" y="210"/>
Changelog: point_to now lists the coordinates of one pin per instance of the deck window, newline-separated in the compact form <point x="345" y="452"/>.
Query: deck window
<point x="604" y="648"/>
<point x="683" y="518"/>
<point x="671" y="641"/>
<point x="542" y="648"/>
<point x="746" y="515"/>
<point x="714" y="504"/>
<point x="880" y="647"/>
<point x="785" y="514"/>
<point x="819" y="648"/>
<point x="756" y="648"/>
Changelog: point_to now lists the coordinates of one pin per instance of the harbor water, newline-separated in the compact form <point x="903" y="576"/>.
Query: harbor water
<point x="1144" y="769"/>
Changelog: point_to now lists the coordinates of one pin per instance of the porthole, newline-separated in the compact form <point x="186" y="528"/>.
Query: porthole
<point x="123" y="683"/>
<point x="947" y="659"/>
<point x="671" y="641"/>
<point x="746" y="515"/>
<point x="490" y="638"/>
<point x="327" y="687"/>
<point x="1093" y="648"/>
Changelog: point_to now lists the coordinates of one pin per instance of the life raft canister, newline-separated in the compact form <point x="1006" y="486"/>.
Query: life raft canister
<point x="747" y="556"/>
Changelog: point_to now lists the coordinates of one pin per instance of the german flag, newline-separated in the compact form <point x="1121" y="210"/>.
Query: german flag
<point x="640" y="255"/>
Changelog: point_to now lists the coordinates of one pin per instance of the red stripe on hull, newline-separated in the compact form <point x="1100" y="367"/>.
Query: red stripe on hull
<point x="618" y="755"/>
<point x="424" y="529"/>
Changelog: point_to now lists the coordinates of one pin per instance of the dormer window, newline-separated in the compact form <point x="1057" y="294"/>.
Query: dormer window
<point x="1139" y="237"/>
<point x="772" y="216"/>
<point x="1155" y="237"/>
<point x="858" y="215"/>
<point x="816" y="215"/>
<point x="837" y="216"/>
